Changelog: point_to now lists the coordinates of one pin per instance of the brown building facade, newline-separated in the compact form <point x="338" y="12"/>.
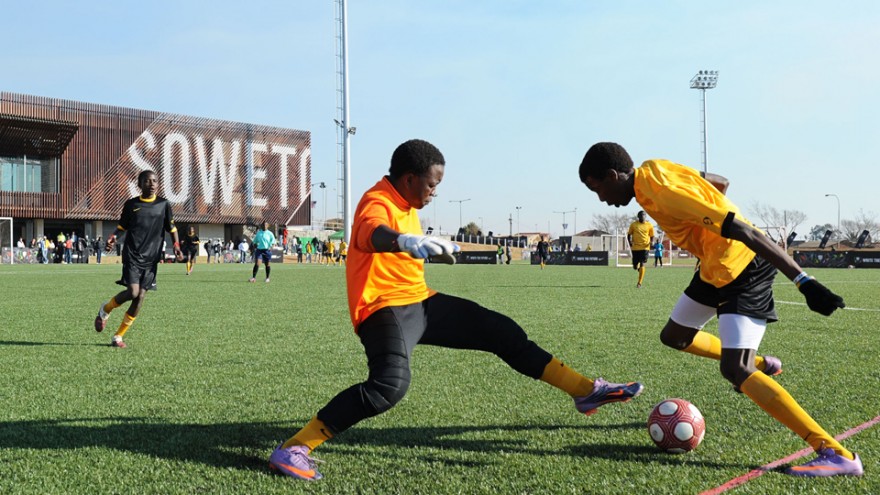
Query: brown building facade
<point x="69" y="166"/>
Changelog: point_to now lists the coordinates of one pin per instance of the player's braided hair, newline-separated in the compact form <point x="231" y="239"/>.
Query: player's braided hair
<point x="414" y="156"/>
<point x="602" y="157"/>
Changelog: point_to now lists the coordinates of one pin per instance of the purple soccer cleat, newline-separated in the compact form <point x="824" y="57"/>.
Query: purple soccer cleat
<point x="606" y="393"/>
<point x="828" y="463"/>
<point x="772" y="366"/>
<point x="295" y="462"/>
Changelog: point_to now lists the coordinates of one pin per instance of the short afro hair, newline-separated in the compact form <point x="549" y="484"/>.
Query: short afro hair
<point x="143" y="176"/>
<point x="602" y="157"/>
<point x="416" y="157"/>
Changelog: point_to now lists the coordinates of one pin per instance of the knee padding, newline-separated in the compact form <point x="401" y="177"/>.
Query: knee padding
<point x="386" y="388"/>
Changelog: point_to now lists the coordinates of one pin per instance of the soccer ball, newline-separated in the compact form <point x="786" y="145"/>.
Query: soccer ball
<point x="676" y="426"/>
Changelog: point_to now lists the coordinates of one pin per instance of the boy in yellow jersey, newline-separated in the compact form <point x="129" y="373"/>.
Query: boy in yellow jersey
<point x="738" y="265"/>
<point x="343" y="251"/>
<point x="640" y="237"/>
<point x="393" y="310"/>
<point x="145" y="219"/>
<point x="329" y="251"/>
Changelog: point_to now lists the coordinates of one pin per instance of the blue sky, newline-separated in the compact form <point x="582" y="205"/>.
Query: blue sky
<point x="512" y="92"/>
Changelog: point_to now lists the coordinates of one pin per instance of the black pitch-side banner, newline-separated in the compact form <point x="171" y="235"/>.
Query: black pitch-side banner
<point x="478" y="257"/>
<point x="589" y="258"/>
<point x="837" y="259"/>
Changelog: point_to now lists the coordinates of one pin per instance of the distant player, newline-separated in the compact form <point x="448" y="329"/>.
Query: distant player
<point x="343" y="252"/>
<point x="144" y="220"/>
<point x="640" y="237"/>
<point x="543" y="252"/>
<point x="263" y="242"/>
<point x="658" y="254"/>
<point x="393" y="310"/>
<point x="190" y="246"/>
<point x="329" y="252"/>
<point x="738" y="265"/>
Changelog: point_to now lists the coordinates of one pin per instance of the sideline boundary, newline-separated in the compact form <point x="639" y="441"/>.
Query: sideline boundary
<point x="740" y="480"/>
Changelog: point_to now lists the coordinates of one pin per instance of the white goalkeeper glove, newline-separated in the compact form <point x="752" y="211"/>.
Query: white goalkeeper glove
<point x="421" y="247"/>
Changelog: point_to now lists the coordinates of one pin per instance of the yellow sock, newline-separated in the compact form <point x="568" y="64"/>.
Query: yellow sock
<point x="641" y="274"/>
<point x="559" y="375"/>
<point x="127" y="320"/>
<point x="773" y="399"/>
<point x="708" y="345"/>
<point x="111" y="305"/>
<point x="311" y="435"/>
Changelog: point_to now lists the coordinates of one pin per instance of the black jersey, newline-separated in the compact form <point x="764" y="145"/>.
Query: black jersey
<point x="190" y="243"/>
<point x="144" y="223"/>
<point x="543" y="248"/>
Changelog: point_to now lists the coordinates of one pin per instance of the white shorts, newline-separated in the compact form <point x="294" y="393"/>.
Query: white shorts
<point x="735" y="331"/>
<point x="740" y="332"/>
<point x="691" y="314"/>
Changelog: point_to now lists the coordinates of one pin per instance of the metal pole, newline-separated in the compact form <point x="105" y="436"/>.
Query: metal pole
<point x="346" y="119"/>
<point x="705" y="136"/>
<point x="838" y="216"/>
<point x="518" y="229"/>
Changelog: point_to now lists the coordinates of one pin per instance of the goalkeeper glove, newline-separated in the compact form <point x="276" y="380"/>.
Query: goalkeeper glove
<point x="819" y="298"/>
<point x="421" y="247"/>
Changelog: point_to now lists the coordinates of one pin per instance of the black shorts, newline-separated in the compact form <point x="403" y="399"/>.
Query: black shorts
<point x="142" y="274"/>
<point x="750" y="294"/>
<point x="191" y="254"/>
<point x="263" y="254"/>
<point x="639" y="257"/>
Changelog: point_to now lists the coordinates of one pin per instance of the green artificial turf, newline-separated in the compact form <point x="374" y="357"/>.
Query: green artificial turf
<point x="219" y="371"/>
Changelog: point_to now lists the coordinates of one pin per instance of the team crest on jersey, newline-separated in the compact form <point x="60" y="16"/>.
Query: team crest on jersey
<point x="707" y="220"/>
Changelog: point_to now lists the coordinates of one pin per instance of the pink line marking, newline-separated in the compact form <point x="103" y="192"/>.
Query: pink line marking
<point x="735" y="482"/>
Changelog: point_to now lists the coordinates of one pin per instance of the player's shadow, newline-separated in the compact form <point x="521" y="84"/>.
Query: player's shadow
<point x="231" y="445"/>
<point x="23" y="343"/>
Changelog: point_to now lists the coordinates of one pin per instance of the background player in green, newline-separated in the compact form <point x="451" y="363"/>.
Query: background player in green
<point x="191" y="249"/>
<point x="738" y="265"/>
<point x="640" y="237"/>
<point x="263" y="242"/>
<point x="144" y="221"/>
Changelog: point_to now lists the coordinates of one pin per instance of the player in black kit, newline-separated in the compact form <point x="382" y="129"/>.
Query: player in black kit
<point x="190" y="249"/>
<point x="144" y="221"/>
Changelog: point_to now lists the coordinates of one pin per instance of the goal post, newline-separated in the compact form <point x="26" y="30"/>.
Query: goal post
<point x="7" y="248"/>
<point x="617" y="249"/>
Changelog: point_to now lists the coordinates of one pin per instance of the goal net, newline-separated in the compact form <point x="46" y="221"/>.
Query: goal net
<point x="620" y="254"/>
<point x="7" y="253"/>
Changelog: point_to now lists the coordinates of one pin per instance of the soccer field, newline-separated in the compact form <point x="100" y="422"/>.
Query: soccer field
<point x="219" y="371"/>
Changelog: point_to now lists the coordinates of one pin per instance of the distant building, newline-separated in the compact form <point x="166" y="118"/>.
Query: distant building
<point x="69" y="166"/>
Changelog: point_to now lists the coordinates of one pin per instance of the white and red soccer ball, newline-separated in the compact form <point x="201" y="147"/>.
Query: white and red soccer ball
<point x="676" y="426"/>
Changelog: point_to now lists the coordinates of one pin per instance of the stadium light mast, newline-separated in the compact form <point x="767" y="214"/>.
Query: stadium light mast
<point x="704" y="80"/>
<point x="838" y="216"/>
<point x="345" y="131"/>
<point x="459" y="201"/>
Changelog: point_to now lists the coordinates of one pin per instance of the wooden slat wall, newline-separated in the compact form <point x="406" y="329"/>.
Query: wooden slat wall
<point x="96" y="167"/>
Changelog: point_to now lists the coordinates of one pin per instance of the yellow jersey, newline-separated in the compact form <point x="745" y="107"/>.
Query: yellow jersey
<point x="691" y="212"/>
<point x="377" y="280"/>
<point x="641" y="233"/>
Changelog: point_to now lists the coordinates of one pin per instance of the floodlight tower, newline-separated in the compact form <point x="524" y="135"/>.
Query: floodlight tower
<point x="703" y="80"/>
